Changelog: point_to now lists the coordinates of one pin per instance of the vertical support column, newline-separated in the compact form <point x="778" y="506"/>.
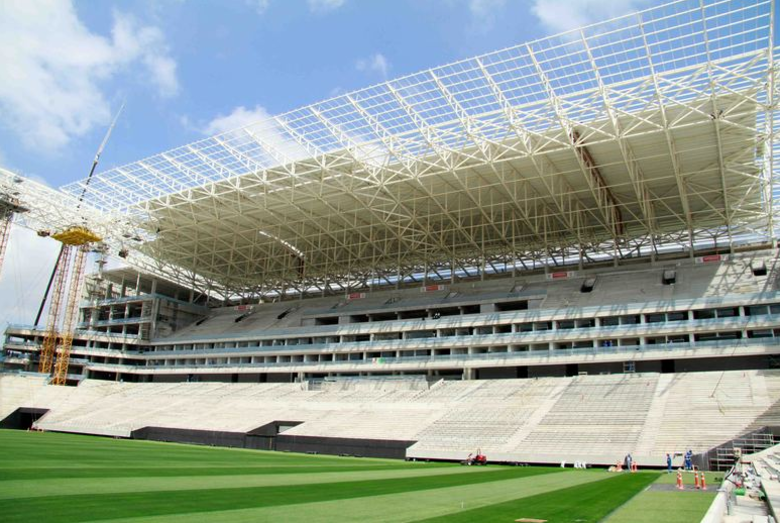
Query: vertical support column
<point x="690" y="244"/>
<point x="514" y="250"/>
<point x="770" y="149"/>
<point x="49" y="345"/>
<point x="652" y="249"/>
<point x="71" y="313"/>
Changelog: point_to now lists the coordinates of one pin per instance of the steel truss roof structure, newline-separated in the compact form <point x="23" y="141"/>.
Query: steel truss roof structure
<point x="657" y="128"/>
<point x="49" y="211"/>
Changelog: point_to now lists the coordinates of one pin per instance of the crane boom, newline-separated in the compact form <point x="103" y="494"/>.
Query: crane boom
<point x="68" y="276"/>
<point x="99" y="152"/>
<point x="81" y="199"/>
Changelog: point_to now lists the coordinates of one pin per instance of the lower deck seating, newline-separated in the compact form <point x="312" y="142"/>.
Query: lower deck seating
<point x="592" y="418"/>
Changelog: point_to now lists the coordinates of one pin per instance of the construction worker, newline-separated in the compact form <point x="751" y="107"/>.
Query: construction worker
<point x="689" y="460"/>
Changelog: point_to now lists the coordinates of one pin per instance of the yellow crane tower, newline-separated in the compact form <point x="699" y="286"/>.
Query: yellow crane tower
<point x="68" y="279"/>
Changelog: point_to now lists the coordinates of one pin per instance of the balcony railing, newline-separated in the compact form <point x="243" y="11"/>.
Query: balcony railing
<point x="488" y="318"/>
<point x="626" y="353"/>
<point x="669" y="328"/>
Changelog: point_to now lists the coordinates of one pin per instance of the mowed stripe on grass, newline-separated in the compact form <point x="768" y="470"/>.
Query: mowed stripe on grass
<point x="394" y="508"/>
<point x="69" y="455"/>
<point x="587" y="503"/>
<point x="107" y="485"/>
<point x="669" y="506"/>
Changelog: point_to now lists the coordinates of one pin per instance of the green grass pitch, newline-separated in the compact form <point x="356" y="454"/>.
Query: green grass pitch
<point x="66" y="478"/>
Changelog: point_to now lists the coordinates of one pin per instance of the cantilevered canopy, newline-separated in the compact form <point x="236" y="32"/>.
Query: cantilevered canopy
<point x="652" y="128"/>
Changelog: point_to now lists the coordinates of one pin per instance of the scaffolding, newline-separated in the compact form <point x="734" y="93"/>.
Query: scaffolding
<point x="9" y="207"/>
<point x="66" y="288"/>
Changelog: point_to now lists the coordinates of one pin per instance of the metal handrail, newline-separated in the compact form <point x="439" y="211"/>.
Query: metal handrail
<point x="731" y="345"/>
<point x="472" y="320"/>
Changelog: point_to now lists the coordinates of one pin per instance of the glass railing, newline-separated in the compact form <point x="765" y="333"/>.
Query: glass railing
<point x="123" y="338"/>
<point x="116" y="321"/>
<point x="689" y="327"/>
<point x="526" y="316"/>
<point x="137" y="297"/>
<point x="664" y="351"/>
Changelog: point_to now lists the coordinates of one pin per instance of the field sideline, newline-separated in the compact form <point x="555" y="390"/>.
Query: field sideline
<point x="69" y="478"/>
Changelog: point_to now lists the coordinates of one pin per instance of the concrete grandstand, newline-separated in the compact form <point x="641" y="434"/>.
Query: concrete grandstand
<point x="564" y="250"/>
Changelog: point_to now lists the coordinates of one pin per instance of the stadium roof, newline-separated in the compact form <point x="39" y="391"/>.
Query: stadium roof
<point x="653" y="128"/>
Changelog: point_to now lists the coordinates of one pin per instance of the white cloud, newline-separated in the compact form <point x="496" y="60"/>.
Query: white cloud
<point x="55" y="69"/>
<point x="276" y="143"/>
<point x="239" y="117"/>
<point x="323" y="6"/>
<point x="147" y="44"/>
<point x="376" y="63"/>
<point x="563" y="15"/>
<point x="484" y="12"/>
<point x="260" y="6"/>
<point x="185" y="122"/>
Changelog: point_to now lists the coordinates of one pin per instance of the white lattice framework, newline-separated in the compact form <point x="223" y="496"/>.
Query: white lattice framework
<point x="646" y="132"/>
<point x="48" y="210"/>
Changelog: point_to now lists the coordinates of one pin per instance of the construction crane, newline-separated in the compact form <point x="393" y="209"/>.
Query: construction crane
<point x="67" y="278"/>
